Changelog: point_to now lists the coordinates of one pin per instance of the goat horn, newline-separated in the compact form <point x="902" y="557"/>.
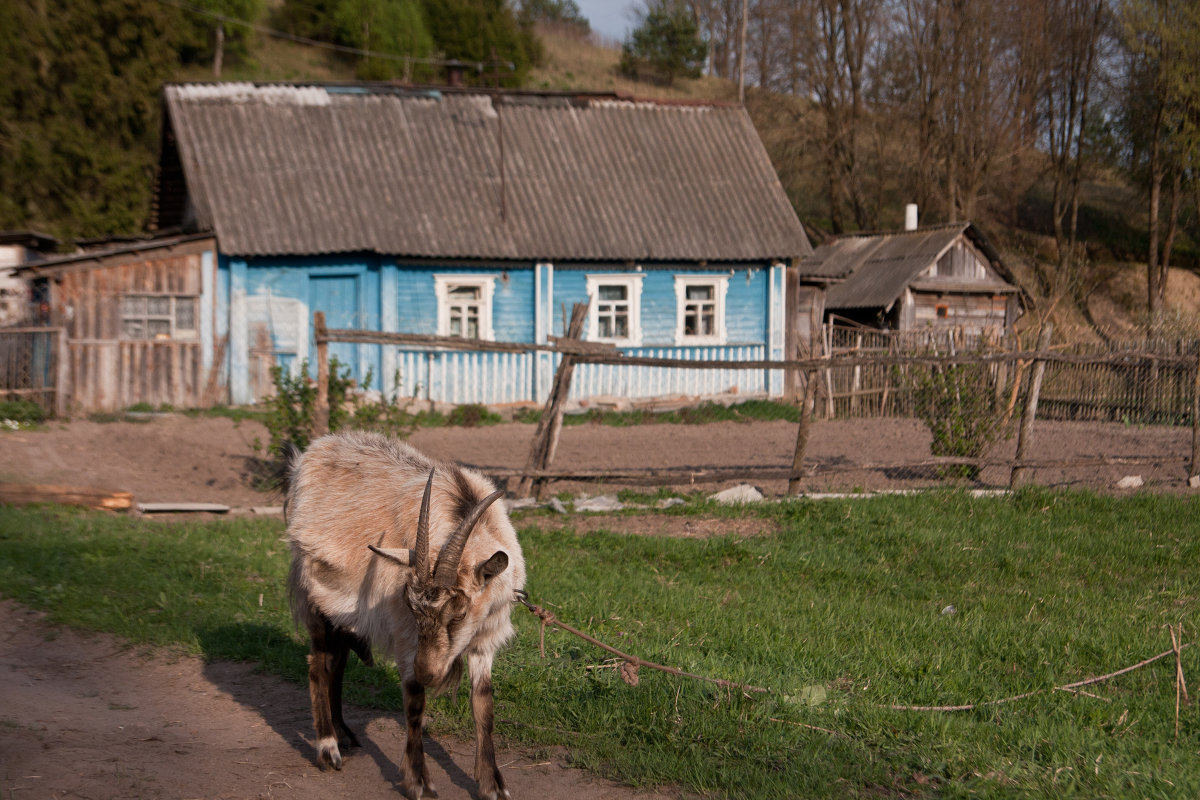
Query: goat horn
<point x="447" y="567"/>
<point x="421" y="553"/>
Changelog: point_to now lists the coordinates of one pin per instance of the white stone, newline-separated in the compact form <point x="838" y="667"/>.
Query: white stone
<point x="1131" y="482"/>
<point x="671" y="502"/>
<point x="605" y="502"/>
<point x="1194" y="481"/>
<point x="742" y="493"/>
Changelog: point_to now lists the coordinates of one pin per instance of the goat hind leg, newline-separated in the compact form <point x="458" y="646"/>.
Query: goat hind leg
<point x="416" y="775"/>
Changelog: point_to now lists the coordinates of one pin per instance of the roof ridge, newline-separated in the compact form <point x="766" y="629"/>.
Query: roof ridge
<point x="941" y="226"/>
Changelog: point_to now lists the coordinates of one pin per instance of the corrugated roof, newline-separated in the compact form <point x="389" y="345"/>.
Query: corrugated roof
<point x="876" y="267"/>
<point x="283" y="169"/>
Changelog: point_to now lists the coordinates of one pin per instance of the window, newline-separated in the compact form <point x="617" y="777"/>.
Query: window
<point x="158" y="316"/>
<point x="465" y="305"/>
<point x="700" y="309"/>
<point x="615" y="311"/>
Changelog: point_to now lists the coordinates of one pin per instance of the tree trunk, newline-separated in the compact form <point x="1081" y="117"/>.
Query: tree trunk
<point x="219" y="54"/>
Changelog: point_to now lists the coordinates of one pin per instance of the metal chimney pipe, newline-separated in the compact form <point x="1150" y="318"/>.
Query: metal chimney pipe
<point x="910" y="217"/>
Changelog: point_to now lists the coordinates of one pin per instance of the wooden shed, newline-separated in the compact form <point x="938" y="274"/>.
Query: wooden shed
<point x="137" y="319"/>
<point x="944" y="276"/>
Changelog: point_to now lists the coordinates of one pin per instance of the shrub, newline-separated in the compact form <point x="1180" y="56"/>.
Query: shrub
<point x="962" y="410"/>
<point x="22" y="412"/>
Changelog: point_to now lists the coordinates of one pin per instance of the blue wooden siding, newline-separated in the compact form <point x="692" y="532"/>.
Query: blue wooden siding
<point x="277" y="297"/>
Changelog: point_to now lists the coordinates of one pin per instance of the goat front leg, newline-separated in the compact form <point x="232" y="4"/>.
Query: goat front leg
<point x="487" y="774"/>
<point x="321" y="661"/>
<point x="341" y="644"/>
<point x="416" y="775"/>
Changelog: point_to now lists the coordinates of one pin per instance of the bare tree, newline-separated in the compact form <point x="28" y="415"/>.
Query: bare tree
<point x="1072" y="35"/>
<point x="1162" y="103"/>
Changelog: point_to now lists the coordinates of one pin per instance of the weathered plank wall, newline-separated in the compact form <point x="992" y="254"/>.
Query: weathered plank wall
<point x="108" y="371"/>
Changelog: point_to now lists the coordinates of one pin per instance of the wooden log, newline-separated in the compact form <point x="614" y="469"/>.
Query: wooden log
<point x="18" y="494"/>
<point x="321" y="410"/>
<point x="545" y="438"/>
<point x="1025" y="436"/>
<point x="182" y="508"/>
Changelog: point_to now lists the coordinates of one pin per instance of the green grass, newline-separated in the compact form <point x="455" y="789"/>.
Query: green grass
<point x="839" y="614"/>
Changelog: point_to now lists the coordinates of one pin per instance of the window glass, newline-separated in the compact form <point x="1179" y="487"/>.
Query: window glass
<point x="464" y="306"/>
<point x="700" y="311"/>
<point x="158" y="316"/>
<point x="185" y="314"/>
<point x="614" y="313"/>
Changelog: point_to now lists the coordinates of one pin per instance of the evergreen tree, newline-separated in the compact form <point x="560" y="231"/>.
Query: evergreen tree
<point x="665" y="46"/>
<point x="394" y="27"/>
<point x="471" y="30"/>
<point x="79" y="112"/>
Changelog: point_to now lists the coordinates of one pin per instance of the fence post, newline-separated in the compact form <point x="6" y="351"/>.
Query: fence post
<point x="808" y="402"/>
<point x="62" y="374"/>
<point x="321" y="412"/>
<point x="545" y="438"/>
<point x="1194" y="472"/>
<point x="1030" y="412"/>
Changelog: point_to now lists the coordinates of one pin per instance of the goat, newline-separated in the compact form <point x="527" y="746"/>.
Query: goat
<point x="433" y="587"/>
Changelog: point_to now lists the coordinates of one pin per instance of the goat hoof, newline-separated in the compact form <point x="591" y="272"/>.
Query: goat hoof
<point x="328" y="755"/>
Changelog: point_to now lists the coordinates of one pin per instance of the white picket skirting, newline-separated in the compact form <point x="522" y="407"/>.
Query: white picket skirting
<point x="450" y="376"/>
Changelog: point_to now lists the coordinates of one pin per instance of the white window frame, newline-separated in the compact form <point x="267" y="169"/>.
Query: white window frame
<point x="170" y="316"/>
<point x="633" y="293"/>
<point x="720" y="286"/>
<point x="442" y="284"/>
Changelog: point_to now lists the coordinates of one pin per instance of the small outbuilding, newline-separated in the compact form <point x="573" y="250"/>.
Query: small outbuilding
<point x="942" y="276"/>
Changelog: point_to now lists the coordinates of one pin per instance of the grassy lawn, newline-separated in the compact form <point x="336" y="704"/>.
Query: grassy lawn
<point x="840" y="614"/>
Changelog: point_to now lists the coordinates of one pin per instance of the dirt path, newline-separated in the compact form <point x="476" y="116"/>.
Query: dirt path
<point x="85" y="715"/>
<point x="175" y="458"/>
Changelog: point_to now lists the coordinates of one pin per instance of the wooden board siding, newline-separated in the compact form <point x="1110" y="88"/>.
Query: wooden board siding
<point x="971" y="312"/>
<point x="109" y="372"/>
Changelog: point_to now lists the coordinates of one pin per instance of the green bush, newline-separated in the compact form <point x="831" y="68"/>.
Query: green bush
<point x="962" y="410"/>
<point x="23" y="412"/>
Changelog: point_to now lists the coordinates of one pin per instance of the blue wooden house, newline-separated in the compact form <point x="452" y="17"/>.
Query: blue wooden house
<point x="483" y="215"/>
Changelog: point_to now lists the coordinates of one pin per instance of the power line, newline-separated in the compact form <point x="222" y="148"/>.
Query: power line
<point x="338" y="48"/>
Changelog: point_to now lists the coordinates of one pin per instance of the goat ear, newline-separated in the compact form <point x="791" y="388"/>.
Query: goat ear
<point x="403" y="556"/>
<point x="492" y="567"/>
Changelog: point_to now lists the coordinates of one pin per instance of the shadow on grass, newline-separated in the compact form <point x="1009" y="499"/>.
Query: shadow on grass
<point x="247" y="660"/>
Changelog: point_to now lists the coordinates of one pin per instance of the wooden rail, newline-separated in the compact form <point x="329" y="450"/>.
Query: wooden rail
<point x="575" y="351"/>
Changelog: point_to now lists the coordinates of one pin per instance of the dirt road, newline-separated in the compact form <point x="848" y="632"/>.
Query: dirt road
<point x="86" y="715"/>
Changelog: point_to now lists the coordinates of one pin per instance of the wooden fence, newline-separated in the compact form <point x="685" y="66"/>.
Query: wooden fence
<point x="1011" y="373"/>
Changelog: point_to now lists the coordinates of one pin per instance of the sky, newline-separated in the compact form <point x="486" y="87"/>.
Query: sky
<point x="609" y="18"/>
